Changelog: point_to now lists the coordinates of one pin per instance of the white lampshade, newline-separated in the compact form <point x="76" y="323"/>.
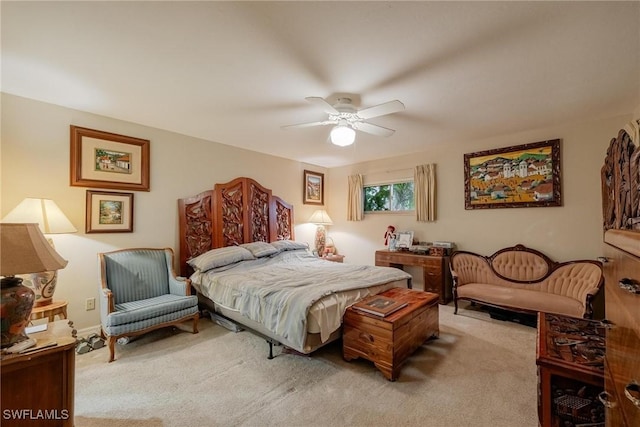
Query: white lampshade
<point x="342" y="135"/>
<point x="321" y="217"/>
<point x="43" y="212"/>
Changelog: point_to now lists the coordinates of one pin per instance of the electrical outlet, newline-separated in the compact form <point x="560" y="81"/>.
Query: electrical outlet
<point x="90" y="304"/>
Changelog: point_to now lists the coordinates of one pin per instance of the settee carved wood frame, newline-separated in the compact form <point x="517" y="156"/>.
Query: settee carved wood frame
<point x="551" y="267"/>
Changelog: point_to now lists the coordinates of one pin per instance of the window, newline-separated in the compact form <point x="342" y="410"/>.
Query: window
<point x="394" y="197"/>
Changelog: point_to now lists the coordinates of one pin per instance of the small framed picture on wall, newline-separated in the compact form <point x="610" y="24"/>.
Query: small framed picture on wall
<point x="313" y="188"/>
<point x="109" y="212"/>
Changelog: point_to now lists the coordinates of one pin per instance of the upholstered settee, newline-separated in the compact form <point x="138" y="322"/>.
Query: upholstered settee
<point x="524" y="280"/>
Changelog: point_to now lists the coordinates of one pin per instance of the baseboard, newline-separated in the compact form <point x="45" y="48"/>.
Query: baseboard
<point x="85" y="332"/>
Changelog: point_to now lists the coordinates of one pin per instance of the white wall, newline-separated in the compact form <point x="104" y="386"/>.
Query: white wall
<point x="35" y="163"/>
<point x="571" y="231"/>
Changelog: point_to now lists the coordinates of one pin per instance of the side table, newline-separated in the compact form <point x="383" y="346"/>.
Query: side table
<point x="38" y="386"/>
<point x="50" y="311"/>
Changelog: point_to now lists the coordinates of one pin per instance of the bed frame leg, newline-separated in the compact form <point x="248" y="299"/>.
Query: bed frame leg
<point x="270" y="349"/>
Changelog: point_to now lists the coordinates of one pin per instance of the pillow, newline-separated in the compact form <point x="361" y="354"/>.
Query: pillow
<point x="260" y="249"/>
<point x="220" y="257"/>
<point x="288" y="245"/>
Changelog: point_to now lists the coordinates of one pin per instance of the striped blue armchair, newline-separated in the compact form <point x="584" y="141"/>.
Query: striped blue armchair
<point x="141" y="292"/>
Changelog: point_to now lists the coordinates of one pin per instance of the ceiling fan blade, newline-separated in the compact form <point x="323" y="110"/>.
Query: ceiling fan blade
<point x="307" y="125"/>
<point x="373" y="129"/>
<point x="320" y="102"/>
<point x="381" y="109"/>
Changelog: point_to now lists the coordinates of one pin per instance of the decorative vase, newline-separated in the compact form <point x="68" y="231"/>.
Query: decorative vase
<point x="16" y="303"/>
<point x="42" y="284"/>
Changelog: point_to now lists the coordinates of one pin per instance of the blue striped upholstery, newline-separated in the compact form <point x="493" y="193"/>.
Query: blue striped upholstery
<point x="150" y="308"/>
<point x="131" y="328"/>
<point x="137" y="274"/>
<point x="141" y="292"/>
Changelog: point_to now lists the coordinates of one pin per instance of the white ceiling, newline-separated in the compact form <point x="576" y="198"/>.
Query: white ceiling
<point x="234" y="72"/>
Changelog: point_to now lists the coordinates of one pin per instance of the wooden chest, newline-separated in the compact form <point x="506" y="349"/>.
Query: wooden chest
<point x="389" y="341"/>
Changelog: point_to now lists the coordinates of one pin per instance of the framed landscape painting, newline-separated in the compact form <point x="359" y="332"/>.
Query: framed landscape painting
<point x="313" y="188"/>
<point x="107" y="160"/>
<point x="109" y="212"/>
<point x="520" y="176"/>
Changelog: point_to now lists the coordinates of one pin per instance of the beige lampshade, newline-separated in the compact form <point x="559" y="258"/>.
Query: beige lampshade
<point x="43" y="212"/>
<point x="321" y="217"/>
<point x="24" y="249"/>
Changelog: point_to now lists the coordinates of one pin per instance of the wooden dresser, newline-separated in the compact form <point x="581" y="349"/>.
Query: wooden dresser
<point x="38" y="387"/>
<point x="435" y="270"/>
<point x="620" y="177"/>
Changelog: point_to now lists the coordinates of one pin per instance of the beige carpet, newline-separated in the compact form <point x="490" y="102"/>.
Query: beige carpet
<point x="480" y="372"/>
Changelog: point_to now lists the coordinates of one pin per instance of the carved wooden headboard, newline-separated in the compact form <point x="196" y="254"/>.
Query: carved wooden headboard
<point x="239" y="211"/>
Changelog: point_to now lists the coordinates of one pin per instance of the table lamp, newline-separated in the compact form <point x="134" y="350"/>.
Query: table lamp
<point x="51" y="220"/>
<point x="24" y="249"/>
<point x="320" y="218"/>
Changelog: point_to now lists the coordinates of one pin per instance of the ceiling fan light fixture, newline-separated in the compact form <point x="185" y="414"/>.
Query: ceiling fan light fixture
<point x="342" y="135"/>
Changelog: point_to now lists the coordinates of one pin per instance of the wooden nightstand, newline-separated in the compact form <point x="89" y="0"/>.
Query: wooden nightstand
<point x="41" y="381"/>
<point x="50" y="311"/>
<point x="334" y="258"/>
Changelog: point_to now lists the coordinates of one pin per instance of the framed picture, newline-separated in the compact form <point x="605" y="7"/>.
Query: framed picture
<point x="107" y="160"/>
<point x="514" y="177"/>
<point x="313" y="188"/>
<point x="404" y="239"/>
<point x="109" y="212"/>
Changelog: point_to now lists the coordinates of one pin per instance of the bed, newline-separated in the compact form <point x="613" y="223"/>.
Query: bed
<point x="237" y="246"/>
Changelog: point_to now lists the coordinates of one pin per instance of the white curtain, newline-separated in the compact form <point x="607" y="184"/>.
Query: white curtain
<point x="355" y="204"/>
<point x="424" y="189"/>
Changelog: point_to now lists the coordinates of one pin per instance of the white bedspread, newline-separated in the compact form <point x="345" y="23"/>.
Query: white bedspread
<point x="278" y="291"/>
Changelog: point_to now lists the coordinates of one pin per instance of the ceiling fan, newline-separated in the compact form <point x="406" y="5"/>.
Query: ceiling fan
<point x="347" y="119"/>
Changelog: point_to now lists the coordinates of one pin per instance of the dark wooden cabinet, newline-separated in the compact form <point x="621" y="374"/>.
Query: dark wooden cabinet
<point x="570" y="358"/>
<point x="38" y="387"/>
<point x="622" y="309"/>
<point x="435" y="270"/>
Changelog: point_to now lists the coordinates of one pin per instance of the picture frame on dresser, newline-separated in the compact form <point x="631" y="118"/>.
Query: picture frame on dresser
<point x="519" y="176"/>
<point x="404" y="239"/>
<point x="109" y="212"/>
<point x="107" y="160"/>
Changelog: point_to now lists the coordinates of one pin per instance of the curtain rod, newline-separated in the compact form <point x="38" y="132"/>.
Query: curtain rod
<point x="387" y="171"/>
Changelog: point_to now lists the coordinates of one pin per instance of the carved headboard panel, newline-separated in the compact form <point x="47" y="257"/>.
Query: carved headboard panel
<point x="236" y="212"/>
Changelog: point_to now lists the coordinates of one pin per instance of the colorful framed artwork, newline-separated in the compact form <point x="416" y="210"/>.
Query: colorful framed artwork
<point x="313" y="188"/>
<point x="107" y="160"/>
<point x="109" y="212"/>
<point x="514" y="177"/>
